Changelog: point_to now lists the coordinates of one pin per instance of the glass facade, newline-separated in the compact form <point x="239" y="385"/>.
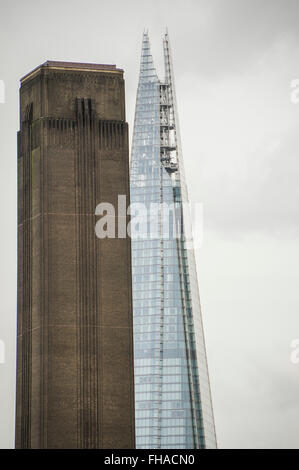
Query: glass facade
<point x="172" y="391"/>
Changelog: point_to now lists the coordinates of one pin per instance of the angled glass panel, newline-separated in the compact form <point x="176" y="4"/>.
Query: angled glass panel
<point x="172" y="392"/>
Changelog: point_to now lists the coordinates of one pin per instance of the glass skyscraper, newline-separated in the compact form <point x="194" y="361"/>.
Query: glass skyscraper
<point x="172" y="390"/>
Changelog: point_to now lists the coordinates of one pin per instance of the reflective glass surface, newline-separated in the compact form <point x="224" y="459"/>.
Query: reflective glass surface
<point x="172" y="394"/>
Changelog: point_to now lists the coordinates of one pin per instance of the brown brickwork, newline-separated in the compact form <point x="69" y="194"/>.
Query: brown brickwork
<point x="75" y="338"/>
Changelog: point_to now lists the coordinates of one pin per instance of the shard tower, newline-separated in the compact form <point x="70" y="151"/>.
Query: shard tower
<point x="172" y="390"/>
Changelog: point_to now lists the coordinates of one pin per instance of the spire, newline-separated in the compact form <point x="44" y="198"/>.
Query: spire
<point x="147" y="69"/>
<point x="167" y="58"/>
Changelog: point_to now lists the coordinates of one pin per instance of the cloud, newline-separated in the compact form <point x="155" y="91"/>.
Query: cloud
<point x="225" y="37"/>
<point x="234" y="61"/>
<point x="240" y="142"/>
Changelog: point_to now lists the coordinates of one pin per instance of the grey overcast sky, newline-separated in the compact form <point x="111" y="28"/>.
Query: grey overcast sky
<point x="234" y="61"/>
